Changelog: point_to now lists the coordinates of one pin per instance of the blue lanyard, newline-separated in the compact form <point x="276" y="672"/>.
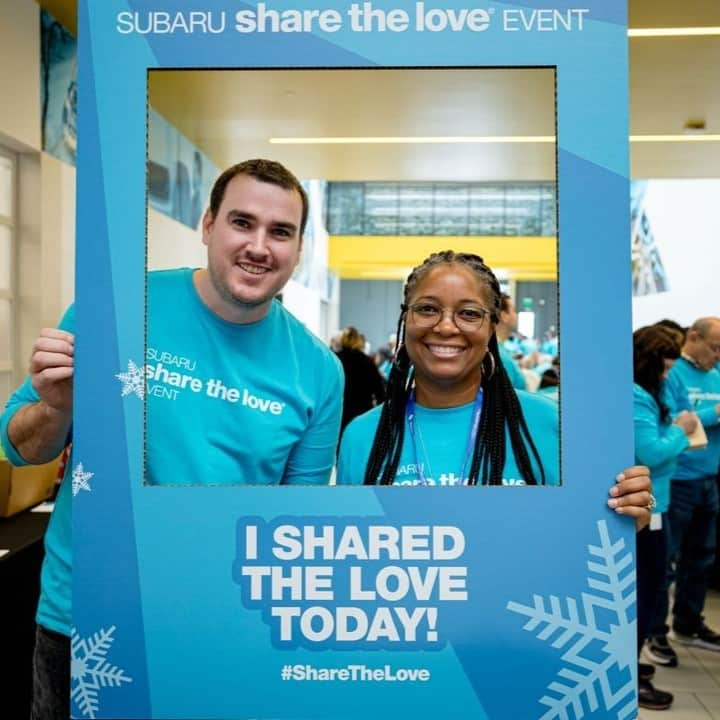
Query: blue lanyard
<point x="410" y="417"/>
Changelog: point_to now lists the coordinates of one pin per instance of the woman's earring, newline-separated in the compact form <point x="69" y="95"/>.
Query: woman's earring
<point x="492" y="364"/>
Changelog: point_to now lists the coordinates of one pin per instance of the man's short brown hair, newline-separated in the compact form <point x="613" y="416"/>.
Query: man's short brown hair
<point x="268" y="171"/>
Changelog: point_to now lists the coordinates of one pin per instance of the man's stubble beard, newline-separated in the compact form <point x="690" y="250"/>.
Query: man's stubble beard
<point x="225" y="294"/>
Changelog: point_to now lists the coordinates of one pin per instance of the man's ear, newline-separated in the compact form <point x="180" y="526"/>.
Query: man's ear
<point x="207" y="224"/>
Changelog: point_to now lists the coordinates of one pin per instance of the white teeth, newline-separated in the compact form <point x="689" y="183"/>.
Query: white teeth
<point x="254" y="269"/>
<point x="445" y="349"/>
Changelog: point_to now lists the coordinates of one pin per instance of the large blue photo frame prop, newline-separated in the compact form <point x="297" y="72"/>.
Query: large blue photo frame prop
<point x="520" y="602"/>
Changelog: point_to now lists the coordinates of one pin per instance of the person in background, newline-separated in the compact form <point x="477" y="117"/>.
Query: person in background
<point x="693" y="502"/>
<point x="659" y="441"/>
<point x="678" y="397"/>
<point x="549" y="345"/>
<point x="364" y="386"/>
<point x="549" y="384"/>
<point x="506" y="325"/>
<point x="383" y="361"/>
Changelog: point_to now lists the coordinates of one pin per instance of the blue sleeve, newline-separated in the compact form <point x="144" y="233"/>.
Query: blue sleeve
<point x="652" y="448"/>
<point x="312" y="459"/>
<point x="708" y="416"/>
<point x="26" y="395"/>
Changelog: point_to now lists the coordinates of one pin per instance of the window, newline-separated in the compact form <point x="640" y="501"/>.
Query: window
<point x="8" y="172"/>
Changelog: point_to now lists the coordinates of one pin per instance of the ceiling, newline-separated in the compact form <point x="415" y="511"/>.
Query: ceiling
<point x="672" y="81"/>
<point x="241" y="109"/>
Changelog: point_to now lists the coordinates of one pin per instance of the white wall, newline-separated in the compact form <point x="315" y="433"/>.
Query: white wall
<point x="20" y="75"/>
<point x="306" y="306"/>
<point x="685" y="218"/>
<point x="29" y="281"/>
<point x="58" y="236"/>
<point x="46" y="247"/>
<point x="46" y="187"/>
<point x="172" y="244"/>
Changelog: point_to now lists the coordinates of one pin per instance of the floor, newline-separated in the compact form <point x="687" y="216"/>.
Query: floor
<point x="695" y="682"/>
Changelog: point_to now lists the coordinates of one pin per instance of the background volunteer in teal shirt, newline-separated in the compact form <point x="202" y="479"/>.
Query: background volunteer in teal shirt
<point x="694" y="495"/>
<point x="659" y="441"/>
<point x="506" y="324"/>
<point x="451" y="415"/>
<point x="215" y="413"/>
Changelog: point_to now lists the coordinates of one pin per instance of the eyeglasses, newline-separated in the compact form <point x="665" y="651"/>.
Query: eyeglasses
<point x="469" y="319"/>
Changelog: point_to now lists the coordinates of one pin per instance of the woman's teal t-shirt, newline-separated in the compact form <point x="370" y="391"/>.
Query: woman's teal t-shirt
<point x="441" y="443"/>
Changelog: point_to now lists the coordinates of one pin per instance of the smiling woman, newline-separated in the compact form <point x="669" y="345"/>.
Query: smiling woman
<point x="451" y="412"/>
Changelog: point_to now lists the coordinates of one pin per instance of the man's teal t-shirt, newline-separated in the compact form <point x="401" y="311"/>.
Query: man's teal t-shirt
<point x="442" y="436"/>
<point x="55" y="577"/>
<point x="703" y="392"/>
<point x="255" y="404"/>
<point x="226" y="404"/>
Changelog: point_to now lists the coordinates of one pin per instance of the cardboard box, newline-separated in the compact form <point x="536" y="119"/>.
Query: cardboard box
<point x="23" y="487"/>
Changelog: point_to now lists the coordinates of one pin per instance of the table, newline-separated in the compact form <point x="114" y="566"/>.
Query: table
<point x="21" y="535"/>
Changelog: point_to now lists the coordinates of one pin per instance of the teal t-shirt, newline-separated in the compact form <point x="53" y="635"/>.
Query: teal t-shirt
<point x="442" y="436"/>
<point x="251" y="404"/>
<point x="703" y="391"/>
<point x="676" y="394"/>
<point x="55" y="577"/>
<point x="226" y="404"/>
<point x="511" y="367"/>
<point x="657" y="445"/>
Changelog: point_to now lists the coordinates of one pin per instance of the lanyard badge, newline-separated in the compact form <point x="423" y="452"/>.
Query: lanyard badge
<point x="416" y="435"/>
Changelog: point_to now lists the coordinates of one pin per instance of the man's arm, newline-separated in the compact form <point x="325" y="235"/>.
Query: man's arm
<point x="40" y="412"/>
<point x="312" y="459"/>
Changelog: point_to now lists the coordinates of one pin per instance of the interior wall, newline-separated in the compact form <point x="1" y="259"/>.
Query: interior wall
<point x="20" y="75"/>
<point x="545" y="303"/>
<point x="305" y="304"/>
<point x="685" y="219"/>
<point x="172" y="244"/>
<point x="57" y="261"/>
<point x="46" y="187"/>
<point x="372" y="306"/>
<point x="29" y="248"/>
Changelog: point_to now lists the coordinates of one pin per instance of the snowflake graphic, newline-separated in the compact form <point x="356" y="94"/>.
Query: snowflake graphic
<point x="593" y="637"/>
<point x="91" y="671"/>
<point x="133" y="380"/>
<point x="80" y="479"/>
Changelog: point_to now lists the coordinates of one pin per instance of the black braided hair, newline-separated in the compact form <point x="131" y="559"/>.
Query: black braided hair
<point x="501" y="408"/>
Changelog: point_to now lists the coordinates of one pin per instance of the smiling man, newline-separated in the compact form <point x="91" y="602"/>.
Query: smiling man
<point x="237" y="390"/>
<point x="262" y="401"/>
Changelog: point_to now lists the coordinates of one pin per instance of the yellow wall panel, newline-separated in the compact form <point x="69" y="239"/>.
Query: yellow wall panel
<point x="383" y="257"/>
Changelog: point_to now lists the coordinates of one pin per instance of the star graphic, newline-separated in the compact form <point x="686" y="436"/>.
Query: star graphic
<point x="133" y="380"/>
<point x="80" y="479"/>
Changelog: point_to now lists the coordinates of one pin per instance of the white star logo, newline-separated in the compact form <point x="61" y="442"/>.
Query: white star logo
<point x="133" y="380"/>
<point x="80" y="479"/>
